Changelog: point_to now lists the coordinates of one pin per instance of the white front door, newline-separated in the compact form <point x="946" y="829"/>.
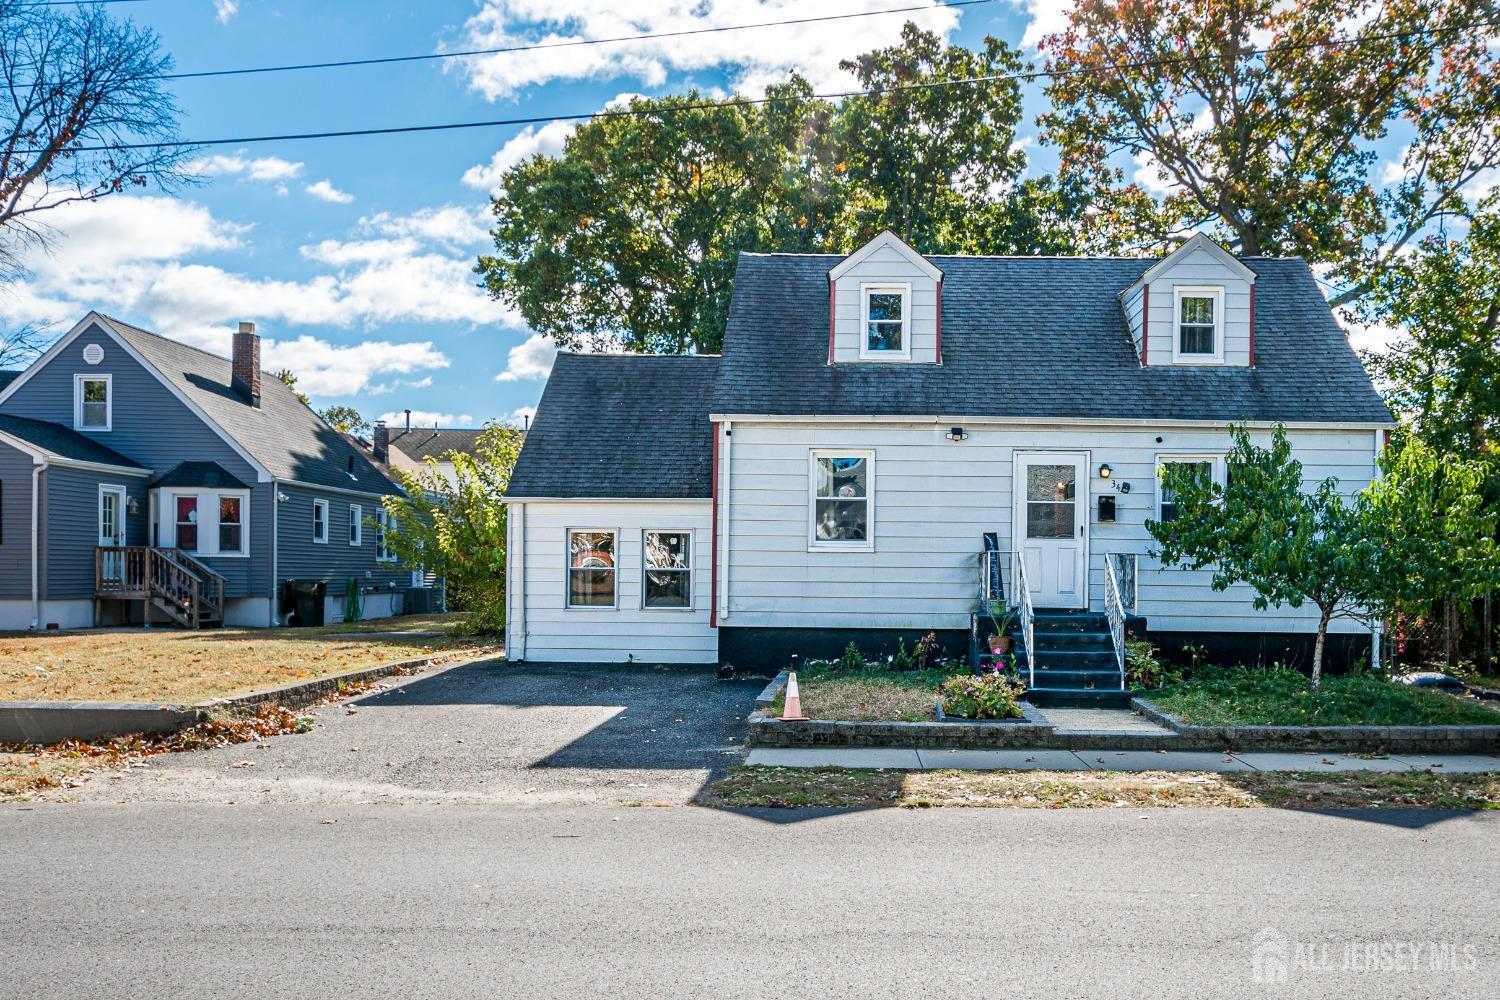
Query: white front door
<point x="112" y="528"/>
<point x="1052" y="524"/>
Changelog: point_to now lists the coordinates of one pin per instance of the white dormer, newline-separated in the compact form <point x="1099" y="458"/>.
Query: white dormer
<point x="1194" y="307"/>
<point x="885" y="308"/>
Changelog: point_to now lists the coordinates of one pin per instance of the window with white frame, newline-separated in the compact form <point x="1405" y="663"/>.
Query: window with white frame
<point x="1200" y="324"/>
<point x="92" y="397"/>
<point x="383" y="527"/>
<point x="356" y="524"/>
<point x="886" y="318"/>
<point x="320" y="522"/>
<point x="842" y="500"/>
<point x="667" y="561"/>
<point x="204" y="522"/>
<point x="592" y="568"/>
<point x="1206" y="468"/>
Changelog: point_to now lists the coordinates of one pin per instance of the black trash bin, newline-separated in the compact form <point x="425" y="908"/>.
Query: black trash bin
<point x="303" y="602"/>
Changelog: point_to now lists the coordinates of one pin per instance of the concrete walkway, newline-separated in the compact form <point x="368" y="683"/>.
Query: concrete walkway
<point x="1114" y="760"/>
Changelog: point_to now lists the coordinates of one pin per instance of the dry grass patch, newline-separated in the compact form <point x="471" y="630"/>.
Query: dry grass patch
<point x="182" y="667"/>
<point x="868" y="695"/>
<point x="833" y="787"/>
<point x="24" y="775"/>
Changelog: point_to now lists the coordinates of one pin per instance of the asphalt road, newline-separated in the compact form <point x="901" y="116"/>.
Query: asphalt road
<point x="483" y="900"/>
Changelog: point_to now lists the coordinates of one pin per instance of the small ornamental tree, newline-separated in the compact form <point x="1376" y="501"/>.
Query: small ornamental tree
<point x="1291" y="546"/>
<point x="457" y="529"/>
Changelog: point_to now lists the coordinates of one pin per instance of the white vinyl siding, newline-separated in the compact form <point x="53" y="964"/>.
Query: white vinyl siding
<point x="887" y="267"/>
<point x="937" y="498"/>
<point x="1198" y="270"/>
<point x="541" y="626"/>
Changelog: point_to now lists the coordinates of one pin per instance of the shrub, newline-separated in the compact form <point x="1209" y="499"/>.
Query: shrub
<point x="991" y="696"/>
<point x="1144" y="668"/>
<point x="926" y="650"/>
<point x="852" y="659"/>
<point x="902" y="660"/>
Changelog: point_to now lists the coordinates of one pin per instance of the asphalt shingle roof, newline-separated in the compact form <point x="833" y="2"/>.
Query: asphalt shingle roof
<point x="620" y="426"/>
<point x="63" y="441"/>
<point x="1035" y="337"/>
<point x="422" y="443"/>
<point x="208" y="475"/>
<point x="283" y="434"/>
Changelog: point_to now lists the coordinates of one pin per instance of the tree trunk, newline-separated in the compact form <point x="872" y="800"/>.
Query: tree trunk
<point x="1450" y="630"/>
<point x="1317" y="668"/>
<point x="1487" y="644"/>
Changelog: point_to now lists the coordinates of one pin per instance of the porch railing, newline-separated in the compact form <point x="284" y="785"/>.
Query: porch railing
<point x="1028" y="618"/>
<point x="190" y="590"/>
<point x="1114" y="610"/>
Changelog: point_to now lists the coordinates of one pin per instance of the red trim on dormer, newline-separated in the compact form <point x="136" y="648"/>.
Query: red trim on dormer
<point x="830" y="324"/>
<point x="713" y="555"/>
<point x="1145" y="320"/>
<point x="1252" y="324"/>
<point x="940" y="321"/>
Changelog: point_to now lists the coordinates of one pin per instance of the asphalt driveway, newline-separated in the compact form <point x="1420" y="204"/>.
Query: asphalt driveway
<point x="482" y="732"/>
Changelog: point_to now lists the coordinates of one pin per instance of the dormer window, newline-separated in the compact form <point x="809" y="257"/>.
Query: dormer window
<point x="887" y="319"/>
<point x="1200" y="325"/>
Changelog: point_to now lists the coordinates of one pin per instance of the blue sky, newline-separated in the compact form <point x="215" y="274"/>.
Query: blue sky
<point x="354" y="255"/>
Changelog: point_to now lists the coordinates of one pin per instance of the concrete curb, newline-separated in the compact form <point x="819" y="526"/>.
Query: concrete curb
<point x="48" y="722"/>
<point x="1334" y="739"/>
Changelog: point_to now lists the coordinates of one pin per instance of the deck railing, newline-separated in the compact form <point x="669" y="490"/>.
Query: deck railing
<point x="190" y="589"/>
<point x="1114" y="609"/>
<point x="1028" y="617"/>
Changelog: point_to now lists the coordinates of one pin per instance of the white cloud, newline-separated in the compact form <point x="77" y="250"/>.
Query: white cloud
<point x="427" y="418"/>
<point x="753" y="58"/>
<point x="530" y="359"/>
<point x="325" y="191"/>
<point x="548" y="141"/>
<point x="264" y="168"/>
<point x="449" y="225"/>
<point x="225" y="9"/>
<point x="1377" y="337"/>
<point x="1148" y="174"/>
<point x="325" y="369"/>
<point x="1048" y="17"/>
<point x="521" y="416"/>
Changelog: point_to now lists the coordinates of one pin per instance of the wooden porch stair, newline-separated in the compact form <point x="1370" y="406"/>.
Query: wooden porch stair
<point x="170" y="580"/>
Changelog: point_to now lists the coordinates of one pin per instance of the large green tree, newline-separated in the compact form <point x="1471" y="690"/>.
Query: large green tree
<point x="1264" y="133"/>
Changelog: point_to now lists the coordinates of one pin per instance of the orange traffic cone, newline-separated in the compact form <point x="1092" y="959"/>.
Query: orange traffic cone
<point x="791" y="711"/>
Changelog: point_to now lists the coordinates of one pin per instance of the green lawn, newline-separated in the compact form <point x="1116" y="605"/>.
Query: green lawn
<point x="1271" y="696"/>
<point x="869" y="695"/>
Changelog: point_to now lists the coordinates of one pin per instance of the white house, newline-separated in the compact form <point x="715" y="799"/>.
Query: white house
<point x="834" y="475"/>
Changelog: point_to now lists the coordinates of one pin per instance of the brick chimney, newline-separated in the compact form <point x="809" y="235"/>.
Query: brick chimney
<point x="245" y="364"/>
<point x="380" y="441"/>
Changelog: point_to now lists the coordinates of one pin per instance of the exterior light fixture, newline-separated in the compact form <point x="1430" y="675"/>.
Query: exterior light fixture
<point x="1105" y="472"/>
<point x="957" y="434"/>
<point x="132" y="506"/>
<point x="281" y="497"/>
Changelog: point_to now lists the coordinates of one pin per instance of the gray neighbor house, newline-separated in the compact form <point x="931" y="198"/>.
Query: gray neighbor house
<point x="146" y="481"/>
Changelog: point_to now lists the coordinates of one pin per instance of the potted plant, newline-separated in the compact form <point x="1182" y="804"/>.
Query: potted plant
<point x="1002" y="618"/>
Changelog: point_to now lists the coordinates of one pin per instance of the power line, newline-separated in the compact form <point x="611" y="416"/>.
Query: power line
<point x="753" y="102"/>
<point x="465" y="53"/>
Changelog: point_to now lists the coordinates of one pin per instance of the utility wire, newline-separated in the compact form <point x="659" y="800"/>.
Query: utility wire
<point x="753" y="102"/>
<point x="465" y="53"/>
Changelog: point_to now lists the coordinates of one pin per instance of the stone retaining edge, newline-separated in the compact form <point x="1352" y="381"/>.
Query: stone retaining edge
<point x="770" y="691"/>
<point x="304" y="693"/>
<point x="1335" y="739"/>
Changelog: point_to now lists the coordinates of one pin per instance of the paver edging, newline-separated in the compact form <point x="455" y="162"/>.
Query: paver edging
<point x="768" y="694"/>
<point x="1391" y="739"/>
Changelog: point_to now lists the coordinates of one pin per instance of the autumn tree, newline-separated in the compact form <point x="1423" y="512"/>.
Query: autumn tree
<point x="85" y="105"/>
<point x="1260" y="118"/>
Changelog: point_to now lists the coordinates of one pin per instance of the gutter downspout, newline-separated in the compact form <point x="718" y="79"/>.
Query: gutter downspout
<point x="724" y="504"/>
<point x="36" y="542"/>
<point x="275" y="550"/>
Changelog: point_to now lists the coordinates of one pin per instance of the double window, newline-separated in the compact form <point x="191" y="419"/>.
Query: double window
<point x="1200" y="325"/>
<point x="592" y="568"/>
<point x="842" y="498"/>
<point x="207" y="522"/>
<point x="1205" y="468"/>
<point x="886" y="318"/>
<point x="91" y="402"/>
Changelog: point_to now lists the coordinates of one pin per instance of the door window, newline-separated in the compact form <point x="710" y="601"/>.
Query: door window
<point x="1051" y="498"/>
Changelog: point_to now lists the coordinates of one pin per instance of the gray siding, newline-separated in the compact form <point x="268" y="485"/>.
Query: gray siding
<point x="886" y="265"/>
<point x="300" y="558"/>
<point x="152" y="426"/>
<point x="15" y="524"/>
<point x="70" y="527"/>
